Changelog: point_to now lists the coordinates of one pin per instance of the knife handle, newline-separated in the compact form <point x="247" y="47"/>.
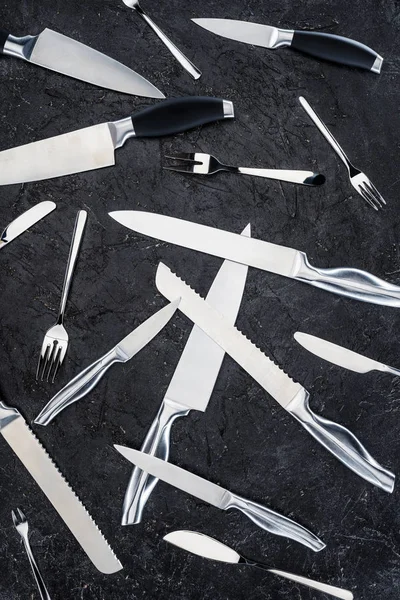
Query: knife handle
<point x="337" y="49"/>
<point x="325" y="588"/>
<point x="341" y="443"/>
<point x="180" y="114"/>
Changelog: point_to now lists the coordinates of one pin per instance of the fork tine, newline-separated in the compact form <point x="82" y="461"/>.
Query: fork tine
<point x="188" y="156"/>
<point x="42" y="362"/>
<point x="14" y="518"/>
<point x="369" y="196"/>
<point x="52" y="358"/>
<point x="21" y="514"/>
<point x="58" y="358"/>
<point x="182" y="169"/>
<point x="376" y="192"/>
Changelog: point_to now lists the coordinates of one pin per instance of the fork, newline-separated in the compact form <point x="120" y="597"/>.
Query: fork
<point x="358" y="179"/>
<point x="180" y="57"/>
<point x="55" y="341"/>
<point x="206" y="164"/>
<point x="21" y="525"/>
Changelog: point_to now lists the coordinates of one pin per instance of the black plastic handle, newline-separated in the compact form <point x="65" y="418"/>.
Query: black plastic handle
<point x="177" y="115"/>
<point x="3" y="38"/>
<point x="336" y="49"/>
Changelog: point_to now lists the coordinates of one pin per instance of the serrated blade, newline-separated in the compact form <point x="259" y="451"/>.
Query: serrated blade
<point x="202" y="545"/>
<point x="26" y="220"/>
<point x="241" y="31"/>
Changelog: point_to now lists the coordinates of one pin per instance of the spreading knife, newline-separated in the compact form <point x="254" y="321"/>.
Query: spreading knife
<point x="330" y="47"/>
<point x="281" y="260"/>
<point x="25" y="221"/>
<point x="292" y="396"/>
<point x="191" y="385"/>
<point x="60" y="53"/>
<point x="93" y="147"/>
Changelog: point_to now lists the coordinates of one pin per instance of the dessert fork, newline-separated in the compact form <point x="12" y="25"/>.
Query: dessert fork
<point x="55" y="341"/>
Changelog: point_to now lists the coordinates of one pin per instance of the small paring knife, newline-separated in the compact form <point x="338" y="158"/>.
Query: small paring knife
<point x="25" y="221"/>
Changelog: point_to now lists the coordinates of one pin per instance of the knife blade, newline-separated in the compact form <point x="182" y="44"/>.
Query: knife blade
<point x="288" y="393"/>
<point x="329" y="47"/>
<point x="87" y="379"/>
<point x="36" y="460"/>
<point x="93" y="147"/>
<point x="217" y="496"/>
<point x="64" y="55"/>
<point x="25" y="221"/>
<point x="281" y="260"/>
<point x="191" y="385"/>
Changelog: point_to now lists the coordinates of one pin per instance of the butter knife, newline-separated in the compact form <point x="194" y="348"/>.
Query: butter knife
<point x="25" y="221"/>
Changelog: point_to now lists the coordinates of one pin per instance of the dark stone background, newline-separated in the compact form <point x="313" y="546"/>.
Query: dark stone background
<point x="244" y="441"/>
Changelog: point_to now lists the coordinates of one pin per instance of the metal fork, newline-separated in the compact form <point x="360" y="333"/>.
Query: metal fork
<point x="358" y="179"/>
<point x="21" y="525"/>
<point x="55" y="341"/>
<point x="206" y="164"/>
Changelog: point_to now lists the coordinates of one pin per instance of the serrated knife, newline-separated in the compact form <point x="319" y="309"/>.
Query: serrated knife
<point x="288" y="393"/>
<point x="25" y="221"/>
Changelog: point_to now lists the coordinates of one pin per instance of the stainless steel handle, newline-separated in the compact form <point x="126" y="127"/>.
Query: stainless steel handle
<point x="331" y="590"/>
<point x="291" y="176"/>
<point x="44" y="594"/>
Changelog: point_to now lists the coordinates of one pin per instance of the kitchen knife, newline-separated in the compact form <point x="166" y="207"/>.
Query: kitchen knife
<point x="341" y="356"/>
<point x="207" y="547"/>
<point x="59" y="53"/>
<point x="319" y="45"/>
<point x="289" y="394"/>
<point x="34" y="457"/>
<point x="191" y="385"/>
<point x="216" y="495"/>
<point x="25" y="221"/>
<point x="288" y="262"/>
<point x="93" y="147"/>
<point x="87" y="379"/>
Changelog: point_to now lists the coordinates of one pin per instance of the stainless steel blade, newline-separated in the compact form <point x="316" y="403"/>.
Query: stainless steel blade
<point x="26" y="220"/>
<point x="241" y="31"/>
<point x="202" y="545"/>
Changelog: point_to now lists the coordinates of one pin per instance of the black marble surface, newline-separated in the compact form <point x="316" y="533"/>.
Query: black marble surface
<point x="244" y="440"/>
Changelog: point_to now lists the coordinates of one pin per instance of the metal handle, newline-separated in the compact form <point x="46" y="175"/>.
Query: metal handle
<point x="291" y="176"/>
<point x="44" y="594"/>
<point x="331" y="590"/>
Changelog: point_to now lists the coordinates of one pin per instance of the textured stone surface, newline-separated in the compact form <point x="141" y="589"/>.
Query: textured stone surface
<point x="244" y="441"/>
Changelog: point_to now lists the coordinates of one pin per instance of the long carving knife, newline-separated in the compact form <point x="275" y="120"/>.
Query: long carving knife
<point x="191" y="385"/>
<point x="289" y="394"/>
<point x="25" y="221"/>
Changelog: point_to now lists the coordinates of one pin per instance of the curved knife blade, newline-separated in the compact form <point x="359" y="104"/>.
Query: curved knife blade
<point x="26" y="220"/>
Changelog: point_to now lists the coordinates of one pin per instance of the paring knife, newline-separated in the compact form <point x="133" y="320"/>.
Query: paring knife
<point x="25" y="221"/>
<point x="320" y="45"/>
<point x="288" y="262"/>
<point x="217" y="496"/>
<point x="207" y="547"/>
<point x="87" y="379"/>
<point x="191" y="385"/>
<point x="343" y="357"/>
<point x="59" y="53"/>
<point x="289" y="394"/>
<point x="34" y="457"/>
<point x="93" y="147"/>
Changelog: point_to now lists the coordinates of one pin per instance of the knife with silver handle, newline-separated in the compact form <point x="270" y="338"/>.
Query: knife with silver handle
<point x="207" y="547"/>
<point x="327" y="46"/>
<point x="281" y="260"/>
<point x="85" y="381"/>
<point x="25" y="221"/>
<point x="217" y="496"/>
<point x="288" y="393"/>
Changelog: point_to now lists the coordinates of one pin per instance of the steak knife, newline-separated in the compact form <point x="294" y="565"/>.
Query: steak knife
<point x="290" y="395"/>
<point x="93" y="147"/>
<point x="281" y="260"/>
<point x="60" y="53"/>
<point x="191" y="385"/>
<point x="217" y="496"/>
<point x="319" y="45"/>
<point x="25" y="221"/>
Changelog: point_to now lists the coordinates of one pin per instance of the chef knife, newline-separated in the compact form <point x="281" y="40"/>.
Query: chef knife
<point x="288" y="262"/>
<point x="93" y="147"/>
<point x="207" y="547"/>
<point x="191" y="385"/>
<point x="319" y="45"/>
<point x="87" y="379"/>
<point x="60" y="53"/>
<point x="25" y="221"/>
<point x="216" y="495"/>
<point x="289" y="394"/>
<point x="34" y="457"/>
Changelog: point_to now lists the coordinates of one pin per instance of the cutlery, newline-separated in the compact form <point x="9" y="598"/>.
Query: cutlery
<point x="21" y="525"/>
<point x="288" y="393"/>
<point x="55" y="343"/>
<point x="281" y="260"/>
<point x="25" y="221"/>
<point x="358" y="179"/>
<point x="85" y="381"/>
<point x="207" y="547"/>
<point x="191" y="385"/>
<point x="206" y="164"/>
<point x="216" y="496"/>
<point x="180" y="57"/>
<point x="60" y="53"/>
<point x="93" y="147"/>
<point x="36" y="460"/>
<point x="330" y="47"/>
